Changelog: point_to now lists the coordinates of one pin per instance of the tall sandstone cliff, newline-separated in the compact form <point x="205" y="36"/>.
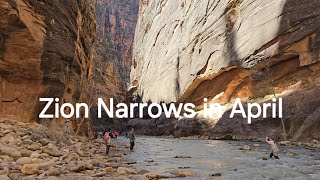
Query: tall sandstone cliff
<point x="46" y="50"/>
<point x="252" y="49"/>
<point x="116" y="21"/>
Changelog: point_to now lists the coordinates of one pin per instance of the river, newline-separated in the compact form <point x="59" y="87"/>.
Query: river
<point x="212" y="156"/>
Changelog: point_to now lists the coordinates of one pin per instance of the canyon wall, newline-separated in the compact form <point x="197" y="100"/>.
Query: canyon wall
<point x="250" y="49"/>
<point x="46" y="50"/>
<point x="116" y="22"/>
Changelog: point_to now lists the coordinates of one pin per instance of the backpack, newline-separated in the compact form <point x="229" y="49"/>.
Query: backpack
<point x="106" y="137"/>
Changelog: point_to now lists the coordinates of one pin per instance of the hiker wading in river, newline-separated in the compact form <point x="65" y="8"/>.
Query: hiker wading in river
<point x="132" y="138"/>
<point x="107" y="140"/>
<point x="274" y="148"/>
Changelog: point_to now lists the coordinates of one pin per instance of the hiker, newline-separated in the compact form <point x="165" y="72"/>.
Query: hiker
<point x="132" y="138"/>
<point x="110" y="133"/>
<point x="94" y="134"/>
<point x="116" y="134"/>
<point x="107" y="140"/>
<point x="100" y="134"/>
<point x="274" y="148"/>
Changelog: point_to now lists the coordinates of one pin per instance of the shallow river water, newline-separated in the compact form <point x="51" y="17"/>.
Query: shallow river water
<point x="211" y="156"/>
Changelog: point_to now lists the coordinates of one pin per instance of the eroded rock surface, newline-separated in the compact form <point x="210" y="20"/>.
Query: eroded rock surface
<point x="116" y="22"/>
<point x="224" y="50"/>
<point x="46" y="50"/>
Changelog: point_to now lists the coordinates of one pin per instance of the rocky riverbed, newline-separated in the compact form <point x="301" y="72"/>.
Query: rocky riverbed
<point x="31" y="151"/>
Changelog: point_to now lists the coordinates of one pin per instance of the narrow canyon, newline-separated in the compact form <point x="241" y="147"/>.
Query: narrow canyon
<point x="158" y="51"/>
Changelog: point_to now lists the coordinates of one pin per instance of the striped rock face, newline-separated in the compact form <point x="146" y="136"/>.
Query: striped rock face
<point x="185" y="51"/>
<point x="46" y="49"/>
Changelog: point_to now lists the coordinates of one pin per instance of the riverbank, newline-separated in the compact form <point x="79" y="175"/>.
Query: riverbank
<point x="32" y="151"/>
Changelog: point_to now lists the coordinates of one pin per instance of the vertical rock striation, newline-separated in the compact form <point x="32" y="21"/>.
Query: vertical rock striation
<point x="187" y="50"/>
<point x="116" y="21"/>
<point x="46" y="50"/>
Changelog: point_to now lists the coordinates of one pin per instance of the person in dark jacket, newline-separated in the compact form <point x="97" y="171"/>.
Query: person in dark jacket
<point x="132" y="138"/>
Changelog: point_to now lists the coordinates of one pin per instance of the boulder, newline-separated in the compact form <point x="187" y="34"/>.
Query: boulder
<point x="33" y="147"/>
<point x="24" y="160"/>
<point x="73" y="157"/>
<point x="36" y="160"/>
<point x="76" y="167"/>
<point x="52" y="151"/>
<point x="182" y="156"/>
<point x="89" y="166"/>
<point x="7" y="138"/>
<point x="121" y="171"/>
<point x="149" y="160"/>
<point x="245" y="148"/>
<point x="216" y="174"/>
<point x="182" y="173"/>
<point x="46" y="165"/>
<point x="124" y="171"/>
<point x="35" y="155"/>
<point x="44" y="141"/>
<point x="315" y="141"/>
<point x="153" y="175"/>
<point x="30" y="169"/>
<point x="27" y="141"/>
<point x="25" y="152"/>
<point x="6" y="158"/>
<point x="52" y="171"/>
<point x="10" y="151"/>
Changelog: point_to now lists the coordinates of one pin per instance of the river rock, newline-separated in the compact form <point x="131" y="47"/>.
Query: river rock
<point x="153" y="175"/>
<point x="182" y="173"/>
<point x="24" y="160"/>
<point x="124" y="171"/>
<point x="15" y="176"/>
<point x="44" y="141"/>
<point x="73" y="157"/>
<point x="245" y="148"/>
<point x="10" y="151"/>
<point x="149" y="160"/>
<point x="76" y="167"/>
<point x="35" y="155"/>
<point x="6" y="126"/>
<point x="7" y="138"/>
<point x="27" y="141"/>
<point x="109" y="169"/>
<point x="30" y="169"/>
<point x="315" y="141"/>
<point x="52" y="171"/>
<point x="25" y="153"/>
<point x="6" y="158"/>
<point x="33" y="147"/>
<point x="101" y="174"/>
<point x="46" y="165"/>
<point x="83" y="154"/>
<point x="53" y="151"/>
<point x="23" y="132"/>
<point x="89" y="166"/>
<point x="182" y="156"/>
<point x="36" y="160"/>
<point x="216" y="174"/>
